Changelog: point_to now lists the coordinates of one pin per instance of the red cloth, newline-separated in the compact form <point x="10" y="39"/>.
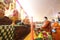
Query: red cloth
<point x="45" y="34"/>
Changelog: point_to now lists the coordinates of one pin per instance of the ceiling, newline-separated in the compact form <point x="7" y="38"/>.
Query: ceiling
<point x="40" y="8"/>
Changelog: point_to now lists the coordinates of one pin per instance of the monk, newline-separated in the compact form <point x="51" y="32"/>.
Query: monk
<point x="46" y="25"/>
<point x="56" y="34"/>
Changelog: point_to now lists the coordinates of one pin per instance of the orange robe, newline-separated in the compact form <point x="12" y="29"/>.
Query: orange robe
<point x="47" y="26"/>
<point x="56" y="36"/>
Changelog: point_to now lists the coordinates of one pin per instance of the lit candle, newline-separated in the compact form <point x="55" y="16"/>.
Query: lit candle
<point x="32" y="30"/>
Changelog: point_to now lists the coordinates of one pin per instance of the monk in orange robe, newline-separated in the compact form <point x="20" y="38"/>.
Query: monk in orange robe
<point x="46" y="25"/>
<point x="56" y="35"/>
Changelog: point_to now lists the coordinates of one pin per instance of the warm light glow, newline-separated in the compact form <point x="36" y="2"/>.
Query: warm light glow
<point x="26" y="8"/>
<point x="40" y="8"/>
<point x="8" y="13"/>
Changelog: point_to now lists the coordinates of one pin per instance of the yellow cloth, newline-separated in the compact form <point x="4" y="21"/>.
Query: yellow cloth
<point x="28" y="37"/>
<point x="40" y="35"/>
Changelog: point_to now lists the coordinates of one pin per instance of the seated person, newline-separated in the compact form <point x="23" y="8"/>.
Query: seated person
<point x="15" y="18"/>
<point x="3" y="19"/>
<point x="26" y="21"/>
<point x="56" y="31"/>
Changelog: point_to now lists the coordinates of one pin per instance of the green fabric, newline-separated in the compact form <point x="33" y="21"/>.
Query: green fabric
<point x="49" y="36"/>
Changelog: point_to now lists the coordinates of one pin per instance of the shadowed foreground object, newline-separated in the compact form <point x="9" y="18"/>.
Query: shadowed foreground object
<point x="21" y="32"/>
<point x="4" y="20"/>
